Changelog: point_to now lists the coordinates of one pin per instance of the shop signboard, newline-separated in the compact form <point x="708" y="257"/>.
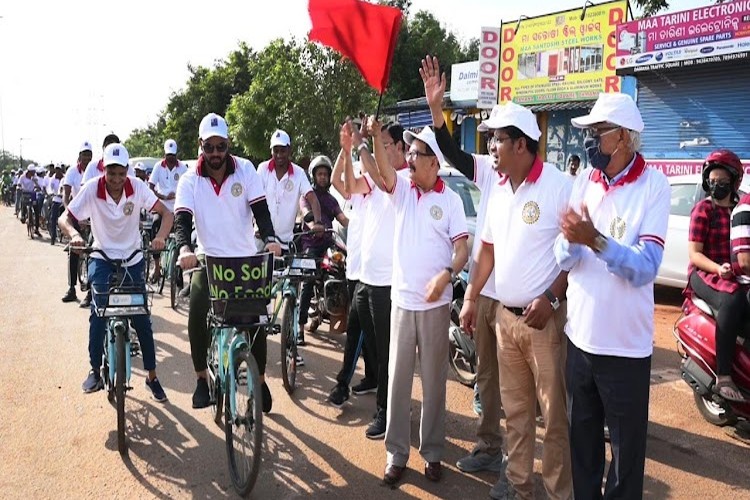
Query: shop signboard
<point x="714" y="33"/>
<point x="489" y="67"/>
<point x="566" y="56"/>
<point x="465" y="81"/>
<point x="684" y="167"/>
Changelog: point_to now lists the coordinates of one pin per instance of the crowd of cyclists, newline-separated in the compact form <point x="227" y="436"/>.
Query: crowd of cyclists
<point x="544" y="241"/>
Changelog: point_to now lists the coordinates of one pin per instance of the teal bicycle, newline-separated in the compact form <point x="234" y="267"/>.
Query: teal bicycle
<point x="239" y="291"/>
<point x="126" y="296"/>
<point x="170" y="272"/>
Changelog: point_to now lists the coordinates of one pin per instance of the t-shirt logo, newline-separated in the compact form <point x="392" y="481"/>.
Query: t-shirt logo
<point x="436" y="212"/>
<point x="128" y="208"/>
<point x="289" y="185"/>
<point x="236" y="189"/>
<point x="531" y="212"/>
<point x="617" y="228"/>
<point x="176" y="176"/>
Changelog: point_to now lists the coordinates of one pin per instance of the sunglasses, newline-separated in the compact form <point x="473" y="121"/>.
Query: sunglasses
<point x="209" y="148"/>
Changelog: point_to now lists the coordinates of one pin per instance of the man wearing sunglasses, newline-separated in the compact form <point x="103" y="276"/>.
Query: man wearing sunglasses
<point x="612" y="244"/>
<point x="224" y="195"/>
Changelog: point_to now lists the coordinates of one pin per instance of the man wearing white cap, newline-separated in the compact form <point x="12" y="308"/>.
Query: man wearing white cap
<point x="163" y="182"/>
<point x="284" y="183"/>
<point x="29" y="186"/>
<point x="518" y="237"/>
<point x="96" y="168"/>
<point x="113" y="202"/>
<point x="429" y="248"/>
<point x="612" y="243"/>
<point x="484" y="170"/>
<point x="54" y="185"/>
<point x="224" y="195"/>
<point x="71" y="185"/>
<point x="140" y="171"/>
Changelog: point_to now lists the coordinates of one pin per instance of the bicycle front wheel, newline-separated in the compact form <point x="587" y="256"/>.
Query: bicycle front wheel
<point x="120" y="389"/>
<point x="244" y="426"/>
<point x="288" y="341"/>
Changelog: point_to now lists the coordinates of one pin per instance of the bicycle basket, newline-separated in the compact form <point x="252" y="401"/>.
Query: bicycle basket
<point x="122" y="301"/>
<point x="301" y="268"/>
<point x="239" y="288"/>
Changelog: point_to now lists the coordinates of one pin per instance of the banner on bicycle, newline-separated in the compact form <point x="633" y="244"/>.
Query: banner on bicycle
<point x="240" y="277"/>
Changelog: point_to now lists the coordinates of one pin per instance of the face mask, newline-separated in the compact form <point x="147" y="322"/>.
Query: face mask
<point x="597" y="159"/>
<point x="719" y="191"/>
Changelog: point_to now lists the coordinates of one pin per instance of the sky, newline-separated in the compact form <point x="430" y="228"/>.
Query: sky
<point x="78" y="70"/>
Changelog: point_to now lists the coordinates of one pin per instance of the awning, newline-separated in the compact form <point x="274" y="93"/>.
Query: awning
<point x="559" y="106"/>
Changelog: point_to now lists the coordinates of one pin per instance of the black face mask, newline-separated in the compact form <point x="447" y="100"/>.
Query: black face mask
<point x="720" y="191"/>
<point x="597" y="159"/>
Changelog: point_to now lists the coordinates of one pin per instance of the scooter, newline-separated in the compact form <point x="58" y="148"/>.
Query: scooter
<point x="330" y="300"/>
<point x="696" y="343"/>
<point x="462" y="350"/>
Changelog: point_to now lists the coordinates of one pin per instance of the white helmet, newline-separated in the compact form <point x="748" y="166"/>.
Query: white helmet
<point x="317" y="162"/>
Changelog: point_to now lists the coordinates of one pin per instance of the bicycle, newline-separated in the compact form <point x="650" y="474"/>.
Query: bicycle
<point x="118" y="302"/>
<point x="146" y="226"/>
<point x="233" y="375"/>
<point x="169" y="269"/>
<point x="83" y="261"/>
<point x="28" y="213"/>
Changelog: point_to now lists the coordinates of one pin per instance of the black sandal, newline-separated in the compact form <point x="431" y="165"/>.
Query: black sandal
<point x="717" y="389"/>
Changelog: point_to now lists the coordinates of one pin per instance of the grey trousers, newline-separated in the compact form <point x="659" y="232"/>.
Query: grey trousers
<point x="424" y="333"/>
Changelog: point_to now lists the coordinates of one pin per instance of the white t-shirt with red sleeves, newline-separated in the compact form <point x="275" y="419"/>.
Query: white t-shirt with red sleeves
<point x="607" y="315"/>
<point x="115" y="225"/>
<point x="522" y="227"/>
<point x="427" y="225"/>
<point x="378" y="235"/>
<point x="485" y="177"/>
<point x="165" y="180"/>
<point x="283" y="195"/>
<point x="222" y="212"/>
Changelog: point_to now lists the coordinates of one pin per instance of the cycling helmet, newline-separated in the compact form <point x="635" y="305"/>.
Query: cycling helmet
<point x="723" y="158"/>
<point x="318" y="162"/>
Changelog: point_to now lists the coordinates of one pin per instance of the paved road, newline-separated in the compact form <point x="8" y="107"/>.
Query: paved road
<point x="56" y="441"/>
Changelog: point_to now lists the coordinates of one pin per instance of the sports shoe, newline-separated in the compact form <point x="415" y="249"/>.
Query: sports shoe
<point x="339" y="395"/>
<point x="201" y="396"/>
<point x="267" y="399"/>
<point x="157" y="393"/>
<point x="480" y="460"/>
<point x="70" y="295"/>
<point x="299" y="360"/>
<point x="364" y="387"/>
<point x="477" y="403"/>
<point x="93" y="382"/>
<point x="376" y="430"/>
<point x="86" y="302"/>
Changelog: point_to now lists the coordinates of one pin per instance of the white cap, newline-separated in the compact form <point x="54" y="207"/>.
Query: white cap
<point x="280" y="138"/>
<point x="618" y="109"/>
<point x="428" y="137"/>
<point x="213" y="125"/>
<point x="85" y="146"/>
<point x="140" y="166"/>
<point x="170" y="147"/>
<point x="116" y="154"/>
<point x="512" y="115"/>
<point x="31" y="168"/>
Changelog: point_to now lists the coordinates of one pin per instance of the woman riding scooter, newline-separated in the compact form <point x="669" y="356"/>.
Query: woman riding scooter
<point x="710" y="272"/>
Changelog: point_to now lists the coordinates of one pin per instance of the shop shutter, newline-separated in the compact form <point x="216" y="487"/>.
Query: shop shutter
<point x="689" y="112"/>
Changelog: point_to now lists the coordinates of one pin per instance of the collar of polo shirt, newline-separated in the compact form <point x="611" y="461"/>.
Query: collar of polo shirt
<point x="272" y="167"/>
<point x="636" y="170"/>
<point x="101" y="188"/>
<point x="439" y="187"/>
<point x="534" y="173"/>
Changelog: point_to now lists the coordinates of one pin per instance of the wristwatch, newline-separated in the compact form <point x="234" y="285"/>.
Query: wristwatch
<point x="600" y="243"/>
<point x="270" y="239"/>
<point x="554" y="301"/>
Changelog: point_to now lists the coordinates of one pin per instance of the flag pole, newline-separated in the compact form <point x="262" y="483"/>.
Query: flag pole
<point x="380" y="100"/>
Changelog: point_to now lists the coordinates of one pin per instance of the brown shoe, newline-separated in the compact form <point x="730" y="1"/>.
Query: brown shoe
<point x="433" y="471"/>
<point x="393" y="474"/>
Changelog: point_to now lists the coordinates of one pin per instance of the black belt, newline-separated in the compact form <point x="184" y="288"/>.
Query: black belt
<point x="518" y="311"/>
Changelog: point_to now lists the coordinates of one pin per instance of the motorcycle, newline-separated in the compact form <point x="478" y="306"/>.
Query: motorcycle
<point x="330" y="300"/>
<point x="462" y="351"/>
<point x="696" y="343"/>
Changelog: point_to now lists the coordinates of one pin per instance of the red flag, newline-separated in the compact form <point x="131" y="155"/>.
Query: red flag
<point x="363" y="32"/>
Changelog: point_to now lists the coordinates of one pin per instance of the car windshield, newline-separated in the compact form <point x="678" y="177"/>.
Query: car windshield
<point x="467" y="191"/>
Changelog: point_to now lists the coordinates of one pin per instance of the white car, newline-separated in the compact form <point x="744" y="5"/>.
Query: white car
<point x="686" y="192"/>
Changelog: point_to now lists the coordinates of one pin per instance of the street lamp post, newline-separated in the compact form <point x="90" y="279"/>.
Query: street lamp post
<point x="20" y="150"/>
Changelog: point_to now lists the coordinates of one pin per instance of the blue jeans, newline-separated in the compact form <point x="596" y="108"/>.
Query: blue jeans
<point x="100" y="272"/>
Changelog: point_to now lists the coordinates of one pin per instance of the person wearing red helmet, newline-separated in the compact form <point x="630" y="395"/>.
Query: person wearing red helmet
<point x="710" y="272"/>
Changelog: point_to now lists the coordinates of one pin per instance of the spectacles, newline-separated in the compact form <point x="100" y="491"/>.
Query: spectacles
<point x="719" y="182"/>
<point x="412" y="155"/>
<point x="496" y="139"/>
<point x="209" y="148"/>
<point x="600" y="132"/>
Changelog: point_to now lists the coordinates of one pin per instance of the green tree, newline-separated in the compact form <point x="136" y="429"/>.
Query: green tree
<point x="148" y="141"/>
<point x="651" y="7"/>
